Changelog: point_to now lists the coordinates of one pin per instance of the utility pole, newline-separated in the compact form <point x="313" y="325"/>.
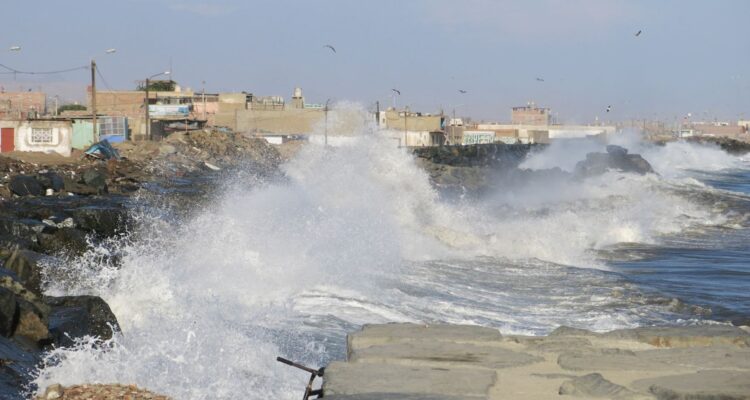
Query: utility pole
<point x="93" y="98"/>
<point x="377" y="112"/>
<point x="148" y="123"/>
<point x="56" y="105"/>
<point x="204" y="100"/>
<point x="406" y="134"/>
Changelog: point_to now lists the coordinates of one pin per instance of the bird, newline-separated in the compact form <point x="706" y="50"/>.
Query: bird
<point x="15" y="48"/>
<point x="398" y="92"/>
<point x="110" y="51"/>
<point x="540" y="79"/>
<point x="609" y="108"/>
<point x="333" y="49"/>
<point x="638" y="33"/>
<point x="461" y="91"/>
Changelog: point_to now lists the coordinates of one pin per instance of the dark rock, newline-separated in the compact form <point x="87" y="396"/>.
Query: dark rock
<point x="25" y="264"/>
<point x="23" y="185"/>
<point x="616" y="151"/>
<point x="32" y="323"/>
<point x="71" y="241"/>
<point x="616" y="158"/>
<point x="51" y="180"/>
<point x="95" y="179"/>
<point x="7" y="312"/>
<point x="104" y="220"/>
<point x="731" y="146"/>
<point x="77" y="316"/>
<point x="72" y="186"/>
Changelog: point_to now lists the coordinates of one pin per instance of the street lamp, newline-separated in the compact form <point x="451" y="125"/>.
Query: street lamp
<point x="325" y="133"/>
<point x="148" y="117"/>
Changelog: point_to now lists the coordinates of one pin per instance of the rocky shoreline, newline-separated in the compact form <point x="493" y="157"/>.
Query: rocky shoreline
<point x="452" y="362"/>
<point x="53" y="210"/>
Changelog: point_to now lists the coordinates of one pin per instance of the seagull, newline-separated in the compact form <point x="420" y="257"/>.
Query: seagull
<point x="609" y="108"/>
<point x="638" y="33"/>
<point x="461" y="91"/>
<point x="110" y="51"/>
<point x="15" y="48"/>
<point x="330" y="47"/>
<point x="396" y="91"/>
<point x="540" y="79"/>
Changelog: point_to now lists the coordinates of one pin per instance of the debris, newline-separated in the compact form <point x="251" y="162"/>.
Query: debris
<point x="103" y="150"/>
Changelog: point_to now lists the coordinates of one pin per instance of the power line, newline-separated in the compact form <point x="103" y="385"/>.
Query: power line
<point x="17" y="71"/>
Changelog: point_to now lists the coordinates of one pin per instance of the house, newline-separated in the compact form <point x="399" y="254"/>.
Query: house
<point x="38" y="135"/>
<point x="19" y="105"/>
<point x="413" y="129"/>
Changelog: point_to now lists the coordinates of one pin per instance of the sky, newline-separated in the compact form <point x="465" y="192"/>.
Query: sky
<point x="576" y="57"/>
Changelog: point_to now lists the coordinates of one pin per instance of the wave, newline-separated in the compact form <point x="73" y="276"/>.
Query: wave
<point x="356" y="234"/>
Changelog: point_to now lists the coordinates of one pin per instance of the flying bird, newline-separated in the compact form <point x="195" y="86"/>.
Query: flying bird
<point x="396" y="91"/>
<point x="609" y="108"/>
<point x="540" y="79"/>
<point x="638" y="33"/>
<point x="110" y="51"/>
<point x="15" y="48"/>
<point x="333" y="49"/>
<point x="461" y="91"/>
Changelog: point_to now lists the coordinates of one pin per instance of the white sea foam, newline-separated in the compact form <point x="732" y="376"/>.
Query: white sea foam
<point x="205" y="304"/>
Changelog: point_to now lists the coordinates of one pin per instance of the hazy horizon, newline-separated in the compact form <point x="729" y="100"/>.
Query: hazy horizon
<point x="576" y="57"/>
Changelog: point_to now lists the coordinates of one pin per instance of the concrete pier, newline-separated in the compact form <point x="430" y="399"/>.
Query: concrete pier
<point x="456" y="362"/>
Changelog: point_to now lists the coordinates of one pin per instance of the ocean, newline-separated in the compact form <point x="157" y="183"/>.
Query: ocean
<point x="208" y="296"/>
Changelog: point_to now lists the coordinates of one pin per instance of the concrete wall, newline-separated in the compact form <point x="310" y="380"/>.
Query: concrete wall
<point x="530" y="116"/>
<point x="62" y="132"/>
<point x="290" y="121"/>
<point x="19" y="104"/>
<point x="398" y="121"/>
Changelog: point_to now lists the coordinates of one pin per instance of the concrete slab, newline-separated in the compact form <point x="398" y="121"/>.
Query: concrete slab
<point x="685" y="336"/>
<point x="703" y="385"/>
<point x="379" y="379"/>
<point x="443" y="354"/>
<point x="372" y="335"/>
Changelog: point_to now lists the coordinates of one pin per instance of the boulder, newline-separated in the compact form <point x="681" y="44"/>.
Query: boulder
<point x="51" y="180"/>
<point x="594" y="385"/>
<point x="104" y="220"/>
<point x="23" y="185"/>
<point x="64" y="240"/>
<point x="616" y="158"/>
<point x="25" y="264"/>
<point x="77" y="316"/>
<point x="7" y="312"/>
<point x="95" y="179"/>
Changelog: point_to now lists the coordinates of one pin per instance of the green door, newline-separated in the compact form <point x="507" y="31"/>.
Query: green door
<point x="83" y="134"/>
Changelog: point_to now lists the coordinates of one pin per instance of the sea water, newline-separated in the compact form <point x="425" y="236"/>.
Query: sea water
<point x="356" y="234"/>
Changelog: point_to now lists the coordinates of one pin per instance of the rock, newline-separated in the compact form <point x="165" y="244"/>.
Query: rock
<point x="700" y="335"/>
<point x="100" y="392"/>
<point x="167" y="149"/>
<point x="77" y="316"/>
<point x="26" y="265"/>
<point x="594" y="385"/>
<point x="23" y="185"/>
<point x="442" y="354"/>
<point x="104" y="220"/>
<point x="616" y="158"/>
<point x="372" y="335"/>
<point x="7" y="312"/>
<point x="64" y="240"/>
<point x="73" y="186"/>
<point x="616" y="151"/>
<point x="703" y="385"/>
<point x="95" y="179"/>
<point x="51" y="180"/>
<point x="53" y="392"/>
<point x="32" y="324"/>
<point x="401" y="381"/>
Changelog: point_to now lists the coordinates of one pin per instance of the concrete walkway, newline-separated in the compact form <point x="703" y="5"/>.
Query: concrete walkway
<point x="452" y="362"/>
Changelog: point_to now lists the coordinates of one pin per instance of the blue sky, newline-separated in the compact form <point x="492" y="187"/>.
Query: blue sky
<point x="692" y="56"/>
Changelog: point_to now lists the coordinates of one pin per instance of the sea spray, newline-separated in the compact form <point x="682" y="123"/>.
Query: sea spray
<point x="355" y="234"/>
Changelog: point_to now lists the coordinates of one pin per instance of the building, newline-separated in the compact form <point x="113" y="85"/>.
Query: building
<point x="40" y="135"/>
<point x="20" y="105"/>
<point x="718" y="129"/>
<point x="413" y="129"/>
<point x="530" y="115"/>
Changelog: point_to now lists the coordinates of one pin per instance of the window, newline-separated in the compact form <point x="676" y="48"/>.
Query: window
<point x="41" y="136"/>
